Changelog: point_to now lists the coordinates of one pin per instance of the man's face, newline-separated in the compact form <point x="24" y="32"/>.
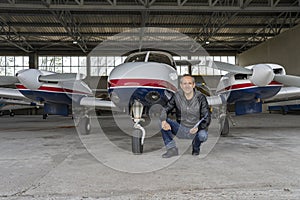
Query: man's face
<point x="187" y="84"/>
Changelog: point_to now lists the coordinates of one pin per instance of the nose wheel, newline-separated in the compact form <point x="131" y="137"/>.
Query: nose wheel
<point x="137" y="146"/>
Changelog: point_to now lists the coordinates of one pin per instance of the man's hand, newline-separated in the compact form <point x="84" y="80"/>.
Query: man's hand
<point x="165" y="125"/>
<point x="193" y="130"/>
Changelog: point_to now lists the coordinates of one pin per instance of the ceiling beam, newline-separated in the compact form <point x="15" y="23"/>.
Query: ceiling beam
<point x="104" y="34"/>
<point x="129" y="25"/>
<point x="152" y="6"/>
<point x="10" y="35"/>
<point x="11" y="1"/>
<point x="72" y="27"/>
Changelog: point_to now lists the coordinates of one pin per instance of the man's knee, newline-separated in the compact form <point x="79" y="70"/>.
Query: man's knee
<point x="202" y="135"/>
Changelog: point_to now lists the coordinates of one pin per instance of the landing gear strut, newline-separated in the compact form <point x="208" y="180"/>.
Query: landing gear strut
<point x="225" y="128"/>
<point x="139" y="132"/>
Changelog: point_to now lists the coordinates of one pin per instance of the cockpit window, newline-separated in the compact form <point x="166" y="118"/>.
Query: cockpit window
<point x="136" y="58"/>
<point x="160" y="58"/>
<point x="150" y="56"/>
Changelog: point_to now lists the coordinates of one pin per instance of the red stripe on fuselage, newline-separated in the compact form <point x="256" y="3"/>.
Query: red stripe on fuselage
<point x="52" y="89"/>
<point x="141" y="82"/>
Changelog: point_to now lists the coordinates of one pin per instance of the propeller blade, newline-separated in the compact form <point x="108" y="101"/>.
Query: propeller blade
<point x="187" y="62"/>
<point x="231" y="68"/>
<point x="288" y="80"/>
<point x="61" y="77"/>
<point x="8" y="80"/>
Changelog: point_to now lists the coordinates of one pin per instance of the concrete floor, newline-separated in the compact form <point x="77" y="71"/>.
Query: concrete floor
<point x="47" y="159"/>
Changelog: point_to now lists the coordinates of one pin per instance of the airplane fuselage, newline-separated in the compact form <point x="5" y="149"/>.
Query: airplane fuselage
<point x="147" y="82"/>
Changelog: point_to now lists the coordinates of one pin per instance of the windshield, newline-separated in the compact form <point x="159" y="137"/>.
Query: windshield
<point x="149" y="56"/>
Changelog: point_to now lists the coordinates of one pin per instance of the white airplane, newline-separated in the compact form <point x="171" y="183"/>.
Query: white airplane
<point x="249" y="87"/>
<point x="148" y="78"/>
<point x="56" y="92"/>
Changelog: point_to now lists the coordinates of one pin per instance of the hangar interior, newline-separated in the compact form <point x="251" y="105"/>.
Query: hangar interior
<point x="53" y="159"/>
<point x="59" y="35"/>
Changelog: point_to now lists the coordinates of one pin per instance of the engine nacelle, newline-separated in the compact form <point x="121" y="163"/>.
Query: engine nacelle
<point x="262" y="75"/>
<point x="30" y="78"/>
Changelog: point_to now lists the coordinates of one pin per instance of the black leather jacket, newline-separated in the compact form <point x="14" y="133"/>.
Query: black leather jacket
<point x="188" y="112"/>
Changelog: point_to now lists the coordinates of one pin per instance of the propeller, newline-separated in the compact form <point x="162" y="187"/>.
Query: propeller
<point x="231" y="68"/>
<point x="288" y="80"/>
<point x="187" y="62"/>
<point x="8" y="80"/>
<point x="262" y="74"/>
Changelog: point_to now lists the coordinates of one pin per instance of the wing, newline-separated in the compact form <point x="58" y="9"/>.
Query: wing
<point x="11" y="107"/>
<point x="98" y="103"/>
<point x="12" y="99"/>
<point x="12" y="94"/>
<point x="285" y="94"/>
<point x="16" y="102"/>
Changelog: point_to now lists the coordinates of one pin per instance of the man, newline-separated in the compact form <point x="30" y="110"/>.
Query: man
<point x="191" y="107"/>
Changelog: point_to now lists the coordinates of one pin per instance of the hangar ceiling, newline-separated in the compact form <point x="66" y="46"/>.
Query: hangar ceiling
<point x="77" y="26"/>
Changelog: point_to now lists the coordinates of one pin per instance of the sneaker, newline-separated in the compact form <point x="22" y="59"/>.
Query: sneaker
<point x="171" y="152"/>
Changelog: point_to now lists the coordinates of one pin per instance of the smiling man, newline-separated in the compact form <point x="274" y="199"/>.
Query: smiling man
<point x="191" y="108"/>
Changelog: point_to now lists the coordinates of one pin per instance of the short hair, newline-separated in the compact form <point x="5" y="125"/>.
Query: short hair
<point x="187" y="75"/>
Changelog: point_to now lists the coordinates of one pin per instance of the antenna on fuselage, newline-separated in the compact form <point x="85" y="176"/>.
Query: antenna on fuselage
<point x="147" y="56"/>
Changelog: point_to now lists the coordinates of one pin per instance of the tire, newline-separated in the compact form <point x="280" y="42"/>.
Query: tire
<point x="12" y="114"/>
<point x="137" y="147"/>
<point x="85" y="125"/>
<point x="225" y="128"/>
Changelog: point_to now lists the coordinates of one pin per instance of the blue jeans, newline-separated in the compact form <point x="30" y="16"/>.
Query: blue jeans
<point x="182" y="132"/>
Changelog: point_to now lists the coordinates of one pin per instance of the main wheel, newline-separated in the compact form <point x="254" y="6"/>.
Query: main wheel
<point x="12" y="114"/>
<point x="137" y="146"/>
<point x="85" y="125"/>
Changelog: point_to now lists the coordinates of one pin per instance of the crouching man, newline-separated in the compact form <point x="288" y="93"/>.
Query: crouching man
<point x="191" y="108"/>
